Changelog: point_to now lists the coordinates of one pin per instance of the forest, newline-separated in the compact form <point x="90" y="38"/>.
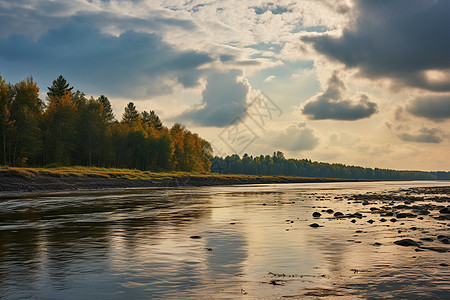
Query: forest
<point x="70" y="129"/>
<point x="277" y="164"/>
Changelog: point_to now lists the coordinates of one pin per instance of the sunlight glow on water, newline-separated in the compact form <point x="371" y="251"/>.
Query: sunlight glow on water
<point x="254" y="243"/>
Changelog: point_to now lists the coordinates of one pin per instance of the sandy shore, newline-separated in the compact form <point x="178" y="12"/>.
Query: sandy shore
<point x="48" y="183"/>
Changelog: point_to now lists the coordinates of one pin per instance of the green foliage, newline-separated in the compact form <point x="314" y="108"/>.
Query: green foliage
<point x="20" y="113"/>
<point x="59" y="87"/>
<point x="131" y="115"/>
<point x="75" y="130"/>
<point x="277" y="164"/>
<point x="6" y="122"/>
<point x="151" y="119"/>
<point x="107" y="112"/>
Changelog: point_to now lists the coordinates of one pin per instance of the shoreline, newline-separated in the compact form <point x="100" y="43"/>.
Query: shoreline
<point x="11" y="182"/>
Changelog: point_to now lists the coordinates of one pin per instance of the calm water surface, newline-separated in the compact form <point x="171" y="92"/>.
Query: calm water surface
<point x="255" y="243"/>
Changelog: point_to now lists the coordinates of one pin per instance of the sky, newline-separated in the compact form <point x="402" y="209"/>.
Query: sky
<point x="343" y="81"/>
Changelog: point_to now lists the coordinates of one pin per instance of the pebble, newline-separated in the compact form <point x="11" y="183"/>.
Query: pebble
<point x="406" y="242"/>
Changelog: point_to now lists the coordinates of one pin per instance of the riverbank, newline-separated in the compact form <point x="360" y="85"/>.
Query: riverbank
<point x="82" y="178"/>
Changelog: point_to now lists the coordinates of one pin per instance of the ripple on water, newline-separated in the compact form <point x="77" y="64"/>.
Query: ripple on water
<point x="136" y="243"/>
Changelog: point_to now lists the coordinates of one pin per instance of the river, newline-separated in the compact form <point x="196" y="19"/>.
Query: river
<point x="226" y="242"/>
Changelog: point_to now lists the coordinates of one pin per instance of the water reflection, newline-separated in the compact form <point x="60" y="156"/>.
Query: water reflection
<point x="254" y="242"/>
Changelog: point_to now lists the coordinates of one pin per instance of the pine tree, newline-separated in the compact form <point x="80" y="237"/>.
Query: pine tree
<point x="59" y="87"/>
<point x="131" y="114"/>
<point x="107" y="115"/>
<point x="151" y="119"/>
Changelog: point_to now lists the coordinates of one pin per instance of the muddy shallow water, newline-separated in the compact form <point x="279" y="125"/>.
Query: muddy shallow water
<point x="249" y="242"/>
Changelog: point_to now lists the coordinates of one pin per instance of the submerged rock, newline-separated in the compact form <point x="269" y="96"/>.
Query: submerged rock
<point x="427" y="239"/>
<point x="443" y="239"/>
<point x="406" y="242"/>
<point x="405" y="215"/>
<point x="436" y="249"/>
<point x="445" y="210"/>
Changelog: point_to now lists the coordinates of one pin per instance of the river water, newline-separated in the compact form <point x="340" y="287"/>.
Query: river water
<point x="229" y="242"/>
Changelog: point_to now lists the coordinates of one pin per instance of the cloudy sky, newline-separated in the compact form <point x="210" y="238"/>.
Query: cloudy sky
<point x="359" y="82"/>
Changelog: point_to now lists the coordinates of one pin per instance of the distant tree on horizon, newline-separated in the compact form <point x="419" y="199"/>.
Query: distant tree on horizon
<point x="277" y="164"/>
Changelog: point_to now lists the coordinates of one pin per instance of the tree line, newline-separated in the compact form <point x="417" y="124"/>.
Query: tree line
<point x="70" y="129"/>
<point x="277" y="164"/>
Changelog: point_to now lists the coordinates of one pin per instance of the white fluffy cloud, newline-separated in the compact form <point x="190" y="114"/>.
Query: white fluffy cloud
<point x="297" y="137"/>
<point x="331" y="104"/>
<point x="223" y="99"/>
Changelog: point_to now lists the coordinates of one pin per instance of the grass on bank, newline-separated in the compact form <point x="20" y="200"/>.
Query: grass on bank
<point x="134" y="174"/>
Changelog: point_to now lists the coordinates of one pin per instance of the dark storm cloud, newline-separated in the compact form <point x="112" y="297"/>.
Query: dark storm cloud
<point x="425" y="135"/>
<point x="330" y="105"/>
<point x="436" y="107"/>
<point x="223" y="100"/>
<point x="397" y="39"/>
<point x="134" y="64"/>
<point x="35" y="17"/>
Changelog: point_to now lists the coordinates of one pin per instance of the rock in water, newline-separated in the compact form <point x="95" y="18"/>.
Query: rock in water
<point x="314" y="225"/>
<point x="406" y="242"/>
<point x="316" y="214"/>
<point x="195" y="237"/>
<point x="445" y="210"/>
<point x="405" y="215"/>
<point x="338" y="214"/>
